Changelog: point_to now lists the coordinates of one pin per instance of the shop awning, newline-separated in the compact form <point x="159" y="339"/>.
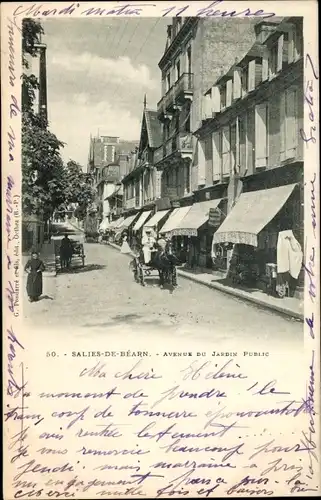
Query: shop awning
<point x="104" y="225"/>
<point x="174" y="219"/>
<point x="251" y="214"/>
<point x="153" y="221"/>
<point x="141" y="220"/>
<point x="195" y="218"/>
<point x="127" y="222"/>
<point x="116" y="223"/>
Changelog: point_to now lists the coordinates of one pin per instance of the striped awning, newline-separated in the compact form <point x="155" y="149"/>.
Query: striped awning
<point x="195" y="218"/>
<point x="249" y="216"/>
<point x="174" y="219"/>
<point x="153" y="221"/>
<point x="127" y="222"/>
<point x="116" y="223"/>
<point x="140" y="222"/>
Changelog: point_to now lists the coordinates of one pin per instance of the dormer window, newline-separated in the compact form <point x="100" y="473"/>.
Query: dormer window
<point x="273" y="59"/>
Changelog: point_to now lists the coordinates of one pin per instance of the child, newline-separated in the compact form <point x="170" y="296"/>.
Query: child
<point x="34" y="268"/>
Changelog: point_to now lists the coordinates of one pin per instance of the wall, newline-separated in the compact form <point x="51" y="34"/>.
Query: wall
<point x="213" y="53"/>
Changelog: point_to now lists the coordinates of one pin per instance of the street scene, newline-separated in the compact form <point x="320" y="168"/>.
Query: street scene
<point x="104" y="295"/>
<point x="163" y="176"/>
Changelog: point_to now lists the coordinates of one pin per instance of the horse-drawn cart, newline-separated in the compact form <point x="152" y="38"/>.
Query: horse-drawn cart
<point x="162" y="265"/>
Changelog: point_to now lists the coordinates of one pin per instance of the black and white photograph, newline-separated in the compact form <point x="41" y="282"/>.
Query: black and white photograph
<point x="161" y="195"/>
<point x="162" y="170"/>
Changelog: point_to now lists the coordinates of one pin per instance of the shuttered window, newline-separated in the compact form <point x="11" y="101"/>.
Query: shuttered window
<point x="229" y="92"/>
<point x="261" y="135"/>
<point x="234" y="146"/>
<point x="242" y="144"/>
<point x="226" y="151"/>
<point x="288" y="124"/>
<point x="237" y="86"/>
<point x="251" y="82"/>
<point x="217" y="156"/>
<point x="208" y="152"/>
<point x="216" y="100"/>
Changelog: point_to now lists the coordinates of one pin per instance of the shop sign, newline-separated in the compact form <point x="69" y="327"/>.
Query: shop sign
<point x="214" y="217"/>
<point x="175" y="204"/>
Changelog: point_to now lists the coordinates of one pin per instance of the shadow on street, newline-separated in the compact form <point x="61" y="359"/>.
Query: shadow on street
<point x="85" y="269"/>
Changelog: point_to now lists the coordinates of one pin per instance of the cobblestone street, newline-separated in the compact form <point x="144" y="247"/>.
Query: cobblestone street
<point x="103" y="295"/>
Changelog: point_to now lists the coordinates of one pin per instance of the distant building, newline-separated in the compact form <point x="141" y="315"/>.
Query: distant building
<point x="108" y="162"/>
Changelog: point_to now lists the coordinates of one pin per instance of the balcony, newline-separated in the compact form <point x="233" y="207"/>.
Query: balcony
<point x="176" y="95"/>
<point x="179" y="146"/>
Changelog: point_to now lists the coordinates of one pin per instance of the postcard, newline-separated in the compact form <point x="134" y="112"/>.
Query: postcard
<point x="160" y="187"/>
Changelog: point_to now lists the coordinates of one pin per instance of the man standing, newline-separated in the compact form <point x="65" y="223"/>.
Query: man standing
<point x="65" y="252"/>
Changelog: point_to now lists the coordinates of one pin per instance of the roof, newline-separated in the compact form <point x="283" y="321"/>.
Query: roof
<point x="154" y="129"/>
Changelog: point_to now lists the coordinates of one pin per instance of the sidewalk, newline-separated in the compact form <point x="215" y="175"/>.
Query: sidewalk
<point x="47" y="255"/>
<point x="289" y="306"/>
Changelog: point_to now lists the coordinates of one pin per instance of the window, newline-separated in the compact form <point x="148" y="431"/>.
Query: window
<point x="223" y="96"/>
<point x="273" y="59"/>
<point x="217" y="152"/>
<point x="261" y="135"/>
<point x="208" y="153"/>
<point x="242" y="122"/>
<point x="178" y="70"/>
<point x="244" y="79"/>
<point x="189" y="60"/>
<point x="187" y="178"/>
<point x="109" y="153"/>
<point x="288" y="124"/>
<point x="233" y="146"/>
<point x="168" y="82"/>
<point x="226" y="151"/>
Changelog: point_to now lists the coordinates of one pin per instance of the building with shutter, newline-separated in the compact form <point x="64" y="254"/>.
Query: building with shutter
<point x="197" y="52"/>
<point x="108" y="162"/>
<point x="142" y="183"/>
<point x="251" y="147"/>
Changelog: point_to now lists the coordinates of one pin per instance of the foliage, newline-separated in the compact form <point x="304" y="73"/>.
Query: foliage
<point x="78" y="189"/>
<point x="43" y="174"/>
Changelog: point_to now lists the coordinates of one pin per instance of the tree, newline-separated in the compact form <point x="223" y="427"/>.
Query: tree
<point x="78" y="190"/>
<point x="43" y="174"/>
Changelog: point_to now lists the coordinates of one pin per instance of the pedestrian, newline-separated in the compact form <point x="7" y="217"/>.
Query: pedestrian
<point x="125" y="248"/>
<point x="65" y="252"/>
<point x="34" y="268"/>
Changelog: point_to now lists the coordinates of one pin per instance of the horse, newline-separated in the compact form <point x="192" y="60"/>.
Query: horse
<point x="163" y="261"/>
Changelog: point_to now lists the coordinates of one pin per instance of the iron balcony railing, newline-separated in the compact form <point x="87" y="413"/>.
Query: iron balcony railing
<point x="178" y="91"/>
<point x="182" y="142"/>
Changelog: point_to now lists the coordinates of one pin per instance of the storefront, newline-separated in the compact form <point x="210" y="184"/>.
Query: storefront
<point x="194" y="233"/>
<point x="171" y="224"/>
<point x="126" y="226"/>
<point x="259" y="238"/>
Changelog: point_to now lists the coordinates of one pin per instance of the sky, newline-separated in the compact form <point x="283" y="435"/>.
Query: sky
<point x="97" y="74"/>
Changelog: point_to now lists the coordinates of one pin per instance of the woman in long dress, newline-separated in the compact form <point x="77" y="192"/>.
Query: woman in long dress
<point x="34" y="268"/>
<point x="125" y="248"/>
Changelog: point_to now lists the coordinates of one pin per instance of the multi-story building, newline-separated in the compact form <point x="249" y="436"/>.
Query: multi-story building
<point x="142" y="183"/>
<point x="108" y="162"/>
<point x="250" y="146"/>
<point x="197" y="51"/>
